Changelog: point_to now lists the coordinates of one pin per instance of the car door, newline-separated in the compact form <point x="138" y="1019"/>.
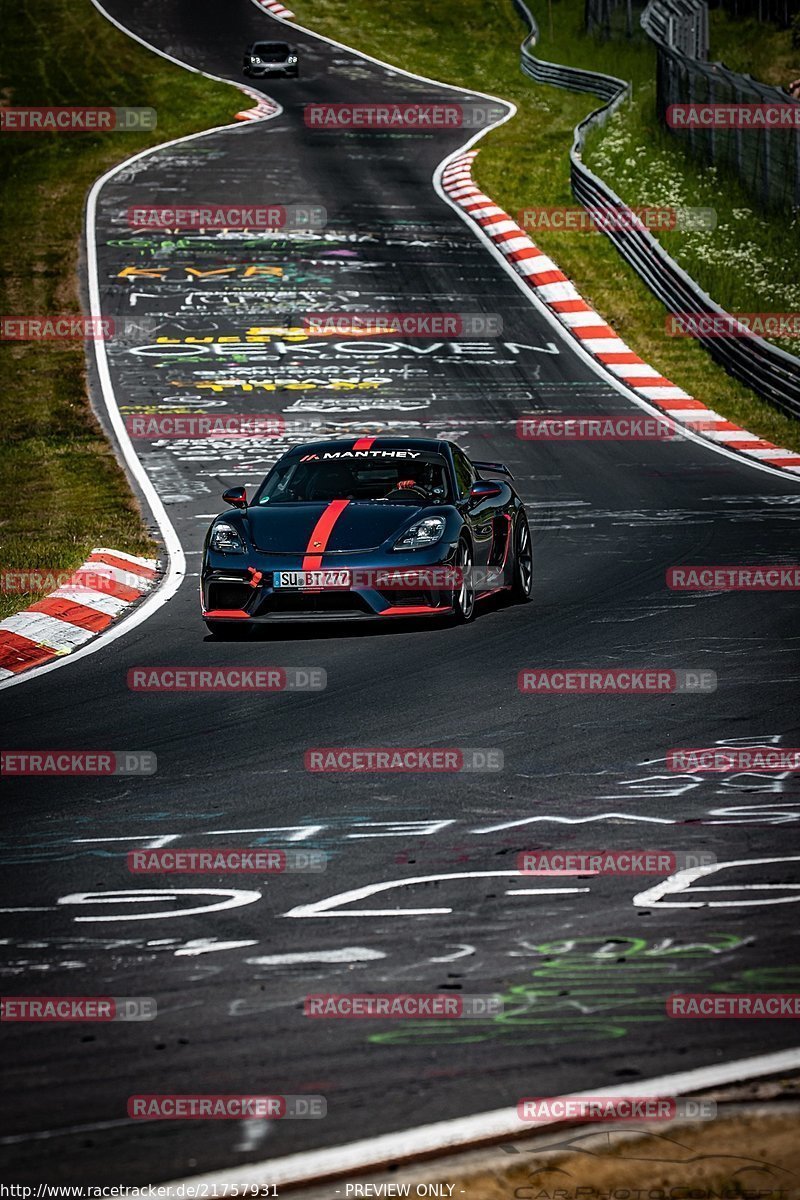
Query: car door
<point x="479" y="516"/>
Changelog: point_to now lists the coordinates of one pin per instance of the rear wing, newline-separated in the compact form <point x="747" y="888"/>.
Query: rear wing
<point x="489" y="466"/>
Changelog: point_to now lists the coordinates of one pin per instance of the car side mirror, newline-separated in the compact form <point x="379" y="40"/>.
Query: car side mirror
<point x="236" y="497"/>
<point x="484" y="489"/>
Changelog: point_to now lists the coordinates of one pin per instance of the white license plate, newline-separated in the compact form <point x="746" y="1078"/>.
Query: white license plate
<point x="274" y="66"/>
<point x="312" y="579"/>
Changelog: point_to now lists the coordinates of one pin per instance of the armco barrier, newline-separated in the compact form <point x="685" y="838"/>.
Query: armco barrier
<point x="769" y="371"/>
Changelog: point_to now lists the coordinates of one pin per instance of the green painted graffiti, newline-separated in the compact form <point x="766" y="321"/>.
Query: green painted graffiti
<point x="592" y="989"/>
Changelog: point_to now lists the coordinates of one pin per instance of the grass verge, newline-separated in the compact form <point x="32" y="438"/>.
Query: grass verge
<point x="525" y="163"/>
<point x="748" y="262"/>
<point x="63" y="489"/>
<point x="736" y="1157"/>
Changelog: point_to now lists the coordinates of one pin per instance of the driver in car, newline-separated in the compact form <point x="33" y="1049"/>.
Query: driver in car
<point x="420" y="482"/>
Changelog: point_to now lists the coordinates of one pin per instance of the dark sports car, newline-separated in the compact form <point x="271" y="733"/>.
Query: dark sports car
<point x="270" y="58"/>
<point x="377" y="527"/>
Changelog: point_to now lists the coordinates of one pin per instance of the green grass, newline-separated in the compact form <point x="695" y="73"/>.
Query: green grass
<point x="63" y="491"/>
<point x="755" y="48"/>
<point x="748" y="263"/>
<point x="525" y="163"/>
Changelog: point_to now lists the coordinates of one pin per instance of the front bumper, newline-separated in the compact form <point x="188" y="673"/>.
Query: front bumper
<point x="259" y="71"/>
<point x="245" y="592"/>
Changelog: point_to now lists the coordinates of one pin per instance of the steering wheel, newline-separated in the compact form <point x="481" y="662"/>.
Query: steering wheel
<point x="405" y="493"/>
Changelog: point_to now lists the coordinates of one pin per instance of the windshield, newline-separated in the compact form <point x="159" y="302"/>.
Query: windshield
<point x="421" y="481"/>
<point x="271" y="49"/>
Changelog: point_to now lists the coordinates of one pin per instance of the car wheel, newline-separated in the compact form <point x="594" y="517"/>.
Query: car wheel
<point x="522" y="581"/>
<point x="464" y="596"/>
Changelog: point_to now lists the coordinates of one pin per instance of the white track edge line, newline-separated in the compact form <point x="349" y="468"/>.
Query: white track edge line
<point x="165" y="588"/>
<point x="599" y="369"/>
<point x="464" y="1132"/>
<point x="456" y="1133"/>
<point x="453" y="87"/>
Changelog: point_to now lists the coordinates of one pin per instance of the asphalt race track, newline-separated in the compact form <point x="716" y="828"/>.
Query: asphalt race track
<point x="583" y="970"/>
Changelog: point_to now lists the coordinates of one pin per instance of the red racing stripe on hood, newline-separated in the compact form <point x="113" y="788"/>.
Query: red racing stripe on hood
<point x="321" y="533"/>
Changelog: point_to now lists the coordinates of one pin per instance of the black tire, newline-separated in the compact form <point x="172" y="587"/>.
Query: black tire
<point x="464" y="596"/>
<point x="522" y="581"/>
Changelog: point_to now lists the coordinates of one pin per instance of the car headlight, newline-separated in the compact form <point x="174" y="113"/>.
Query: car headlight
<point x="292" y="58"/>
<point x="254" y="59"/>
<point x="423" y="533"/>
<point x="225" y="538"/>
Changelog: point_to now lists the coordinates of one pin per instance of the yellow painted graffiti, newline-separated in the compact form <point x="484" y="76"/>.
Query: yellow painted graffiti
<point x="196" y="273"/>
<point x="265" y="333"/>
<point x="277" y="385"/>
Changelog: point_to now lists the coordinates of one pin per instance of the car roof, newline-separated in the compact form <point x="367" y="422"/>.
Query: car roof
<point x="429" y="445"/>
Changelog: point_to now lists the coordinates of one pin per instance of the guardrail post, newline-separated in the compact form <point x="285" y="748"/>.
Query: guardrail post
<point x="737" y="95"/>
<point x="766" y="194"/>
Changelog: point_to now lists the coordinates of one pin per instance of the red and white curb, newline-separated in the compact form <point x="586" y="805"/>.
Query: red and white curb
<point x="264" y="106"/>
<point x="277" y="9"/>
<point x="76" y="612"/>
<point x="553" y="287"/>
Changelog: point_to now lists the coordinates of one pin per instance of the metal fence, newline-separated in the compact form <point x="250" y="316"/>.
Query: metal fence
<point x="779" y="11"/>
<point x="681" y="25"/>
<point x="769" y="371"/>
<point x="765" y="161"/>
<point x="612" y="18"/>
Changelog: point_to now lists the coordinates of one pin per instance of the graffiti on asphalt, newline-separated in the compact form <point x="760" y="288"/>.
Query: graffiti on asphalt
<point x="587" y="989"/>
